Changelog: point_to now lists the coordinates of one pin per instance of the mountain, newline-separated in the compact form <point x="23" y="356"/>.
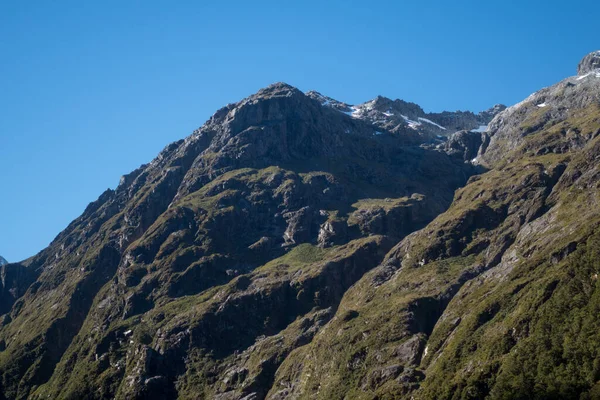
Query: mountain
<point x="296" y="246"/>
<point x="3" y="261"/>
<point x="274" y="180"/>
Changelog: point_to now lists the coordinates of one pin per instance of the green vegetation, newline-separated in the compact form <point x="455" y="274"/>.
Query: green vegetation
<point x="299" y="257"/>
<point x="534" y="336"/>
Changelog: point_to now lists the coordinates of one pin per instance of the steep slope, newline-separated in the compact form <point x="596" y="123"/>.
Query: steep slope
<point x="229" y="250"/>
<point x="3" y="261"/>
<point x="498" y="296"/>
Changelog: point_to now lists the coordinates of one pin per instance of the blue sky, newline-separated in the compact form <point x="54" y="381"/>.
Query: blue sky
<point x="91" y="90"/>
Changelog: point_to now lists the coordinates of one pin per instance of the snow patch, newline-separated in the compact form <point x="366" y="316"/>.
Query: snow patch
<point x="378" y="133"/>
<point x="595" y="73"/>
<point x="542" y="105"/>
<point x="411" y="124"/>
<point x="431" y="122"/>
<point x="368" y="105"/>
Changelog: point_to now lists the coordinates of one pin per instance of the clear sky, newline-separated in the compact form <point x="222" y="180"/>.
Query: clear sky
<point x="89" y="90"/>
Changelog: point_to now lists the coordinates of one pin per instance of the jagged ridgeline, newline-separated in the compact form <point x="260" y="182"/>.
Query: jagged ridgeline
<point x="299" y="247"/>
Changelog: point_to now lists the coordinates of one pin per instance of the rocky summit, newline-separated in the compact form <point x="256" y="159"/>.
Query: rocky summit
<point x="3" y="261"/>
<point x="409" y="119"/>
<point x="297" y="247"/>
<point x="590" y="63"/>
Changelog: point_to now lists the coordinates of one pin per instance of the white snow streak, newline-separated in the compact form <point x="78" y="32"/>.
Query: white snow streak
<point x="431" y="122"/>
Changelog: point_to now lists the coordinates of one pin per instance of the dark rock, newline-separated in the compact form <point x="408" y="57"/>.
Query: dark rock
<point x="15" y="279"/>
<point x="383" y="375"/>
<point x="393" y="217"/>
<point x="464" y="144"/>
<point x="299" y="226"/>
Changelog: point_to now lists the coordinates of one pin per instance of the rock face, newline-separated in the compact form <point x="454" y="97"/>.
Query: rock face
<point x="3" y="261"/>
<point x="464" y="144"/>
<point x="14" y="281"/>
<point x="299" y="247"/>
<point x="589" y="63"/>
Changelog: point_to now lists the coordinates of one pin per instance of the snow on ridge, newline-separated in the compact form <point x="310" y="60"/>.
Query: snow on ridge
<point x="431" y="122"/>
<point x="368" y="105"/>
<point x="411" y="124"/>
<point x="583" y="76"/>
<point x="542" y="105"/>
<point x="595" y="73"/>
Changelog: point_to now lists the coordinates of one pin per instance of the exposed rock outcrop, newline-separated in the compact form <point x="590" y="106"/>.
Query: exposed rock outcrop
<point x="464" y="145"/>
<point x="589" y="63"/>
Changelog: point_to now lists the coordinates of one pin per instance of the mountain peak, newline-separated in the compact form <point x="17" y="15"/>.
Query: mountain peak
<point x="3" y="261"/>
<point x="589" y="63"/>
<point x="278" y="89"/>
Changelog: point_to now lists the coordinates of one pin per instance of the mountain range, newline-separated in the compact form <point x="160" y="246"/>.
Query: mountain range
<point x="295" y="246"/>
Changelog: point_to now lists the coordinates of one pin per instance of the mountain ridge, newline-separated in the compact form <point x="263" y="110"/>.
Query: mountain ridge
<point x="397" y="114"/>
